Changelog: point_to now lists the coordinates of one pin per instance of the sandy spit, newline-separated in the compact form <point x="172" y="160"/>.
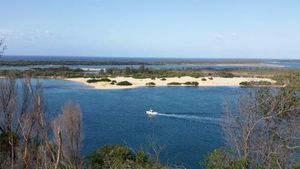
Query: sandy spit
<point x="216" y="81"/>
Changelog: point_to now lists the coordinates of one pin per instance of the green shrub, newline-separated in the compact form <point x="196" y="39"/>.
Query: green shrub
<point x="92" y="80"/>
<point x="225" y="74"/>
<point x="110" y="156"/>
<point x="174" y="84"/>
<point x="124" y="83"/>
<point x="245" y="83"/>
<point x="191" y="83"/>
<point x="104" y="80"/>
<point x="163" y="79"/>
<point x="121" y="157"/>
<point x="150" y="84"/>
<point x="219" y="159"/>
<point x="210" y="78"/>
<point x="203" y="79"/>
<point x="98" y="80"/>
<point x="256" y="83"/>
<point x="113" y="82"/>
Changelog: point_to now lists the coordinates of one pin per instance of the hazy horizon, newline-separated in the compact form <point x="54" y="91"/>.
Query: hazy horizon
<point x="160" y="29"/>
<point x="25" y="57"/>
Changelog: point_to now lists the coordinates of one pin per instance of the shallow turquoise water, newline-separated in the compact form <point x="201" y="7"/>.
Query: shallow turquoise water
<point x="188" y="124"/>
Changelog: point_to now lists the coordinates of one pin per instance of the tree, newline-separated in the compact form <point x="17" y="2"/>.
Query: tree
<point x="263" y="129"/>
<point x="26" y="134"/>
<point x="68" y="135"/>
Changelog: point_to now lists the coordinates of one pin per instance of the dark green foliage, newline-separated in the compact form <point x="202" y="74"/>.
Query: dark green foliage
<point x="174" y="84"/>
<point x="191" y="83"/>
<point x="104" y="80"/>
<point x="124" y="83"/>
<point x="121" y="157"/>
<point x="219" y="159"/>
<point x="163" y="79"/>
<point x="256" y="83"/>
<point x="7" y="139"/>
<point x="113" y="82"/>
<point x="99" y="80"/>
<point x="210" y="78"/>
<point x="92" y="81"/>
<point x="225" y="74"/>
<point x="45" y="72"/>
<point x="150" y="84"/>
<point x="245" y="83"/>
<point x="203" y="79"/>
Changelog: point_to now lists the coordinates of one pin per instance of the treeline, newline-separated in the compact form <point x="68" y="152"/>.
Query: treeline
<point x="45" y="72"/>
<point x="140" y="72"/>
<point x="143" y="72"/>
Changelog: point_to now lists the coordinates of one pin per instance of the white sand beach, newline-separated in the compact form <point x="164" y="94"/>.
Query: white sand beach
<point x="216" y="81"/>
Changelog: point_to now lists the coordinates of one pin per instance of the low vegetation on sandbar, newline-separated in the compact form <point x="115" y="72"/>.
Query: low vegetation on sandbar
<point x="98" y="80"/>
<point x="174" y="84"/>
<point x="124" y="83"/>
<point x="191" y="83"/>
<point x="150" y="84"/>
<point x="255" y="83"/>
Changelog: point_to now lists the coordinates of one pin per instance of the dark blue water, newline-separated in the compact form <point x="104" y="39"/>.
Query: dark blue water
<point x="187" y="126"/>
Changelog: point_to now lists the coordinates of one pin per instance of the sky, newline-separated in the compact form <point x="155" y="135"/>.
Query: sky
<point x="152" y="28"/>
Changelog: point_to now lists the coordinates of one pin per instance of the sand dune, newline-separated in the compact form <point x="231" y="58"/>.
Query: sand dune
<point x="217" y="81"/>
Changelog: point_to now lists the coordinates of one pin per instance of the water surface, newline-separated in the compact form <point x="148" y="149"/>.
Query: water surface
<point x="187" y="124"/>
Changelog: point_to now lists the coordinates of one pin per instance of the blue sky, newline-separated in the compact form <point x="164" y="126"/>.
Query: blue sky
<point x="152" y="28"/>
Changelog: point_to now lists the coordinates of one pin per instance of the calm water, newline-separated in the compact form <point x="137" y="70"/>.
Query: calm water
<point x="188" y="123"/>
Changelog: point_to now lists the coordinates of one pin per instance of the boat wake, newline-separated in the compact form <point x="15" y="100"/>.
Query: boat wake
<point x="192" y="118"/>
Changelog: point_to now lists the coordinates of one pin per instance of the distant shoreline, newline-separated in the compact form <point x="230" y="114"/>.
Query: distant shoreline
<point x="136" y="83"/>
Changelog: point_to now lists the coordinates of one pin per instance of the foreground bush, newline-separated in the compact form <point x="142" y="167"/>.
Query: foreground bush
<point x="121" y="157"/>
<point x="219" y="159"/>
<point x="124" y="83"/>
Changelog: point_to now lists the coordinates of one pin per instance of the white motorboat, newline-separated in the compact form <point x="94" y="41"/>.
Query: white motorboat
<point x="151" y="112"/>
